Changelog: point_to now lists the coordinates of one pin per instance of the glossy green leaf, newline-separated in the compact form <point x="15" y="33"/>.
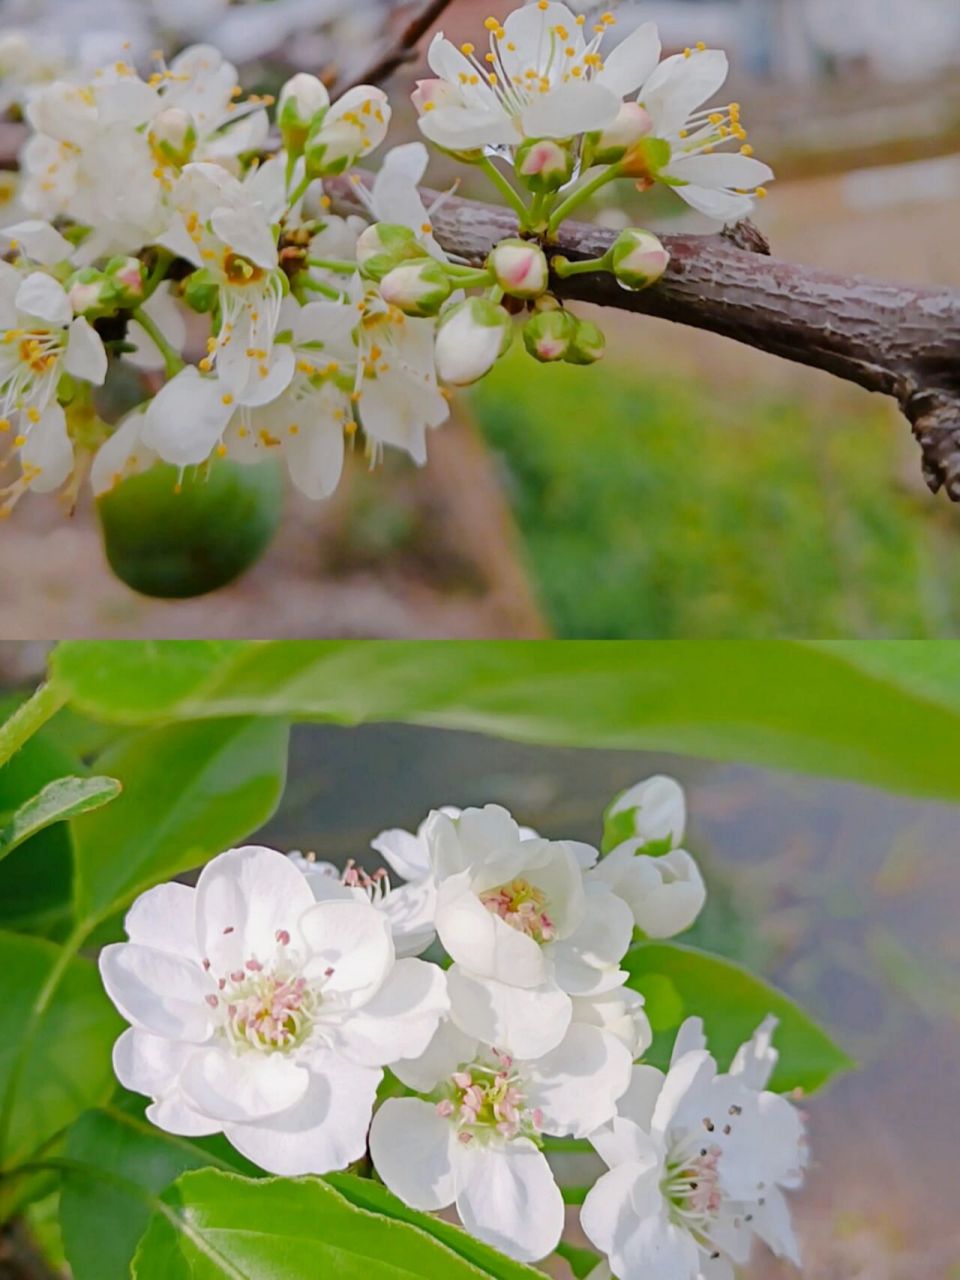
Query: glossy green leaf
<point x="103" y="1217"/>
<point x="680" y="982"/>
<point x="189" y="791"/>
<point x="367" y="1194"/>
<point x="55" y="1065"/>
<point x="59" y="800"/>
<point x="853" y="711"/>
<point x="218" y="1226"/>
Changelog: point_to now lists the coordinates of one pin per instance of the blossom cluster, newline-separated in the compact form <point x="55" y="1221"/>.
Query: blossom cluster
<point x="162" y="229"/>
<point x="289" y="1006"/>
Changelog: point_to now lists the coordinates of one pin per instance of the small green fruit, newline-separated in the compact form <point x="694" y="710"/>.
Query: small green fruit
<point x="172" y="544"/>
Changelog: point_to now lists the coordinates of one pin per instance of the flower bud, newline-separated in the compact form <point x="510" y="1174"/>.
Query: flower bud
<point x="548" y="335"/>
<point x="417" y="288"/>
<point x="128" y="280"/>
<point x="519" y="268"/>
<point x="588" y="345"/>
<point x="174" y="135"/>
<point x="637" y="258"/>
<point x="200" y="291"/>
<point x="472" y="336"/>
<point x="302" y="99"/>
<point x="352" y="127"/>
<point x="611" y="144"/>
<point x="543" y="165"/>
<point x="383" y="246"/>
<point x="654" y="812"/>
<point x="88" y="292"/>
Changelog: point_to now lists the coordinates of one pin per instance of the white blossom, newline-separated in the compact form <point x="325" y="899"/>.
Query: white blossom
<point x="261" y="1013"/>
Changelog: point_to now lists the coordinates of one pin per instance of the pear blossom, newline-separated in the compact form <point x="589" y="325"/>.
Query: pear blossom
<point x="350" y="129"/>
<point x="698" y="1162"/>
<point x="523" y="928"/>
<point x="475" y="1142"/>
<point x="261" y="1013"/>
<point x="660" y="881"/>
<point x="202" y="86"/>
<point x="540" y="79"/>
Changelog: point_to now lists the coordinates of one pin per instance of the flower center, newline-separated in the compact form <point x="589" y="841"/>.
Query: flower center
<point x="523" y="907"/>
<point x="268" y="1011"/>
<point x="240" y="270"/>
<point x="484" y="1099"/>
<point x="38" y="350"/>
<point x="692" y="1185"/>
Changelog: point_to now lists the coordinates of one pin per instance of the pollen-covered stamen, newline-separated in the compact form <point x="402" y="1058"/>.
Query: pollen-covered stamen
<point x="375" y="886"/>
<point x="29" y="362"/>
<point x="693" y="1186"/>
<point x="485" y="1099"/>
<point x="523" y="907"/>
<point x="268" y="1005"/>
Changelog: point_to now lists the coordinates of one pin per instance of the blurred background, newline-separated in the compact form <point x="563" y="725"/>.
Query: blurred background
<point x="686" y="486"/>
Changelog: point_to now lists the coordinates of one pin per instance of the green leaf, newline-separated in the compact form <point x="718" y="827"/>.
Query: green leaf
<point x="367" y="1194"/>
<point x="189" y="791"/>
<point x="854" y="711"/>
<point x="65" y="1049"/>
<point x="582" y="1261"/>
<point x="103" y="1218"/>
<point x="217" y="1226"/>
<point x="61" y="799"/>
<point x="679" y="982"/>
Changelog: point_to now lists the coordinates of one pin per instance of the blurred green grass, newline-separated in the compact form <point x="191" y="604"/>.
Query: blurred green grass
<point x="659" y="506"/>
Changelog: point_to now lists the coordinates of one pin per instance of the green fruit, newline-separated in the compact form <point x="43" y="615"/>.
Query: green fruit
<point x="172" y="544"/>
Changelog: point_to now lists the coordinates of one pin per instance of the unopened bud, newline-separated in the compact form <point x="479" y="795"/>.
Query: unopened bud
<point x="383" y="246"/>
<point x="519" y="268"/>
<point x="543" y="165"/>
<point x="637" y="258"/>
<point x="471" y="337"/>
<point x="87" y="290"/>
<point x="200" y="291"/>
<point x="302" y="99"/>
<point x="548" y="335"/>
<point x="588" y="345"/>
<point x="127" y="279"/>
<point x="417" y="288"/>
<point x="611" y="144"/>
<point x="174" y="135"/>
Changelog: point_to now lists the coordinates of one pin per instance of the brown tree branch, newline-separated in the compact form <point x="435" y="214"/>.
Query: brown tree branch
<point x="396" y="50"/>
<point x="900" y="340"/>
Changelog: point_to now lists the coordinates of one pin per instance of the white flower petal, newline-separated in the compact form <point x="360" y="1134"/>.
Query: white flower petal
<point x="158" y="992"/>
<point x="722" y="169"/>
<point x="620" y="1141"/>
<point x="325" y="1130"/>
<point x="577" y="1085"/>
<point x="659" y="808"/>
<point x="315" y="456"/>
<point x="481" y="942"/>
<point x="507" y="1196"/>
<point x="679" y="85"/>
<point x="412" y="1151"/>
<point x="527" y="1022"/>
<point x="353" y="940"/>
<point x="175" y="1116"/>
<point x="47" y="456"/>
<point x="232" y="1086"/>
<point x="186" y="418"/>
<point x="163" y="918"/>
<point x="148" y="1064"/>
<point x="575" y="107"/>
<point x="586" y="962"/>
<point x="85" y="356"/>
<point x="247" y="232"/>
<point x="407" y="854"/>
<point x="41" y="296"/>
<point x="410" y="910"/>
<point x="466" y="128"/>
<point x="627" y="66"/>
<point x="122" y="454"/>
<point x="39" y="240"/>
<point x="400" y="1019"/>
<point x="448" y="1049"/>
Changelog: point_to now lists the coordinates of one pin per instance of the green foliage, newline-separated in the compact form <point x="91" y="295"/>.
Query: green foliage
<point x="653" y="505"/>
<point x="60" y="799"/>
<point x="822" y="708"/>
<point x="217" y="1226"/>
<point x="679" y="982"/>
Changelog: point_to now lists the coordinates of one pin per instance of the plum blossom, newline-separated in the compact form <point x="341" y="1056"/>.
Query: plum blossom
<point x="261" y="1013"/>
<point x="697" y="1161"/>
<point x="658" y="879"/>
<point x="540" y="78"/>
<point x="475" y="1141"/>
<point x="525" y="932"/>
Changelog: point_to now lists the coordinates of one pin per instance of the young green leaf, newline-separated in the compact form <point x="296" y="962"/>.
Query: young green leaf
<point x="61" y="799"/>
<point x="218" y="1226"/>
<point x="679" y="982"/>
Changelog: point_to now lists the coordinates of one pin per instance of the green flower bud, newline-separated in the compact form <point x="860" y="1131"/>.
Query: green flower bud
<point x="384" y="246"/>
<point x="303" y="99"/>
<point x="519" y="268"/>
<point x="418" y="288"/>
<point x="127" y="279"/>
<point x="610" y="145"/>
<point x="588" y="345"/>
<point x="637" y="258"/>
<point x="200" y="291"/>
<point x="88" y="292"/>
<point x="543" y="164"/>
<point x="548" y="335"/>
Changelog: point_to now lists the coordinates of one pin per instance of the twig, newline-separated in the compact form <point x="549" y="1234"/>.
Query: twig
<point x="900" y="340"/>
<point x="398" y="49"/>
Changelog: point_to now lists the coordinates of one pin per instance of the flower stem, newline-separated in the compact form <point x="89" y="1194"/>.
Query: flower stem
<point x="172" y="360"/>
<point x="512" y="197"/>
<point x="472" y="276"/>
<point x="29" y="717"/>
<point x="333" y="264"/>
<point x="317" y="286"/>
<point x="299" y="191"/>
<point x="577" y="197"/>
<point x="563" y="267"/>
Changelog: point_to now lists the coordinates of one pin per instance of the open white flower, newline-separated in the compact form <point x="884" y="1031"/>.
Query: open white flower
<point x="221" y="226"/>
<point x="40" y="340"/>
<point x="539" y="79"/>
<point x="262" y="1013"/>
<point x="696" y="1163"/>
<point x="201" y="83"/>
<point x="524" y="931"/>
<point x="475" y="1142"/>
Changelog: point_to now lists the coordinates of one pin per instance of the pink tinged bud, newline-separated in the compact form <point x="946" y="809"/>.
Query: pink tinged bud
<point x="418" y="288"/>
<point x="543" y="164"/>
<point x="633" y="122"/>
<point x="519" y="268"/>
<point x="547" y="336"/>
<point x="638" y="259"/>
<point x="85" y="295"/>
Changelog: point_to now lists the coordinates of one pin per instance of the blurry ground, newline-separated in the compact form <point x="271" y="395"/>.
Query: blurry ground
<point x="844" y="896"/>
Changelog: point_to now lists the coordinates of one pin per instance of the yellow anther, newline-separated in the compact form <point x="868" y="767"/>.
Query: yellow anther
<point x="746" y="150"/>
<point x="466" y="49"/>
<point x="33" y="414"/>
<point x="221" y="450"/>
<point x="206" y="364"/>
<point x="226" y="398"/>
<point x="19" y="441"/>
<point x="762" y="193"/>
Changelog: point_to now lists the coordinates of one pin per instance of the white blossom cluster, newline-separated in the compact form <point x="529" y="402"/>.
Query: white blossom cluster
<point x="267" y="1003"/>
<point x="160" y="229"/>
